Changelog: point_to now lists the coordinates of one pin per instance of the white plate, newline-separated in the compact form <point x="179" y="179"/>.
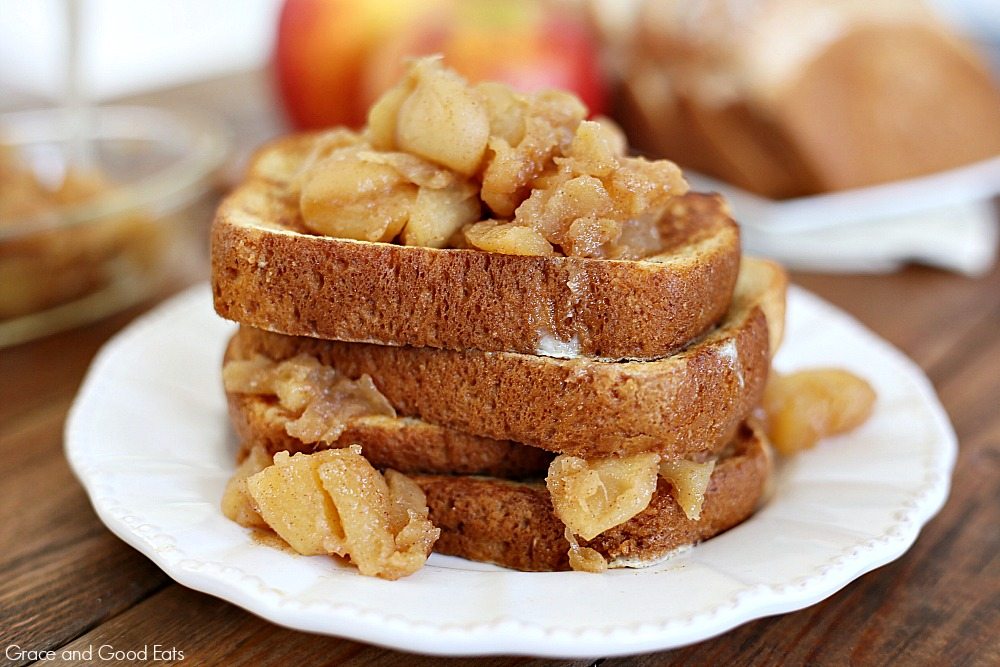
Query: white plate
<point x="149" y="439"/>
<point x="946" y="219"/>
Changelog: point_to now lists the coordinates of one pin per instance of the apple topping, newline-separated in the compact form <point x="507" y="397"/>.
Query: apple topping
<point x="805" y="406"/>
<point x="293" y="503"/>
<point x="592" y="496"/>
<point x="324" y="144"/>
<point x="507" y="238"/>
<point x="437" y="214"/>
<point x="351" y="198"/>
<point x="358" y="193"/>
<point x="434" y="114"/>
<point x="334" y="502"/>
<point x="584" y="205"/>
<point x="507" y="111"/>
<point x="237" y="504"/>
<point x="689" y="481"/>
<point x="444" y="163"/>
<point x="527" y="132"/>
<point x="321" y="400"/>
<point x="385" y="526"/>
<point x="584" y="559"/>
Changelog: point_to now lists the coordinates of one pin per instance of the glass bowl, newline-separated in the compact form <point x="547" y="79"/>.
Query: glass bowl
<point x="97" y="216"/>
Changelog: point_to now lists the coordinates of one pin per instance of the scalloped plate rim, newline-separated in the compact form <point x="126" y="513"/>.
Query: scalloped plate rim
<point x="506" y="635"/>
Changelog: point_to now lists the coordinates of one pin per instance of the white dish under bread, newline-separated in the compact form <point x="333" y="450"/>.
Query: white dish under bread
<point x="156" y="463"/>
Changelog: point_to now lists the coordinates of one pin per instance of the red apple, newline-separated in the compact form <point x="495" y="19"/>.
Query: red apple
<point x="321" y="52"/>
<point x="335" y="57"/>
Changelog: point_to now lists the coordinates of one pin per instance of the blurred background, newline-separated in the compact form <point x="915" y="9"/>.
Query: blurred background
<point x="132" y="46"/>
<point x="850" y="136"/>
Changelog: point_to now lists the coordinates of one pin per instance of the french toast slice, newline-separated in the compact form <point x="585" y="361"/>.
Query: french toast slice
<point x="401" y="443"/>
<point x="513" y="524"/>
<point x="679" y="406"/>
<point x="269" y="273"/>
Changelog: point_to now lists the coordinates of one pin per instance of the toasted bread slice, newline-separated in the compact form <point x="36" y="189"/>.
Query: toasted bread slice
<point x="681" y="405"/>
<point x="269" y="273"/>
<point x="512" y="524"/>
<point x="401" y="443"/>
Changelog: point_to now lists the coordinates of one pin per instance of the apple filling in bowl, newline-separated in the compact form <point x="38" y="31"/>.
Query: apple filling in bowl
<point x="75" y="260"/>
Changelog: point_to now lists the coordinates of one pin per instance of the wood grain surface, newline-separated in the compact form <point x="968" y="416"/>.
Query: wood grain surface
<point x="67" y="583"/>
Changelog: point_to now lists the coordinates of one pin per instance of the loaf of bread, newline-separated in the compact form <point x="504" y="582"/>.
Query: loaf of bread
<point x="794" y="97"/>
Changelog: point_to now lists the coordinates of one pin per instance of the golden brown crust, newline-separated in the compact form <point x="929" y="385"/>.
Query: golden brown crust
<point x="680" y="405"/>
<point x="406" y="445"/>
<point x="268" y="274"/>
<point x="513" y="524"/>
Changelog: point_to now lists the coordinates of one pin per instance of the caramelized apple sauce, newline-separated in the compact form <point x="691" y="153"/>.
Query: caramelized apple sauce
<point x="803" y="407"/>
<point x="321" y="400"/>
<point x="442" y="163"/>
<point x="592" y="496"/>
<point x="335" y="503"/>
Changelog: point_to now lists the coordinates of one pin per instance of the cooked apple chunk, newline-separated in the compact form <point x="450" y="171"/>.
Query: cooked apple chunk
<point x="592" y="496"/>
<point x="507" y="238"/>
<point x="442" y="119"/>
<point x="803" y="407"/>
<point x="334" y="502"/>
<point x="237" y="504"/>
<point x="689" y="481"/>
<point x="292" y="502"/>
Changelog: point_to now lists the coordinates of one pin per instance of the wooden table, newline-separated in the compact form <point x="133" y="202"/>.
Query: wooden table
<point x="66" y="582"/>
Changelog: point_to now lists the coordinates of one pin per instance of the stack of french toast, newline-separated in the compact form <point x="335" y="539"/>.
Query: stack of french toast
<point x="478" y="326"/>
